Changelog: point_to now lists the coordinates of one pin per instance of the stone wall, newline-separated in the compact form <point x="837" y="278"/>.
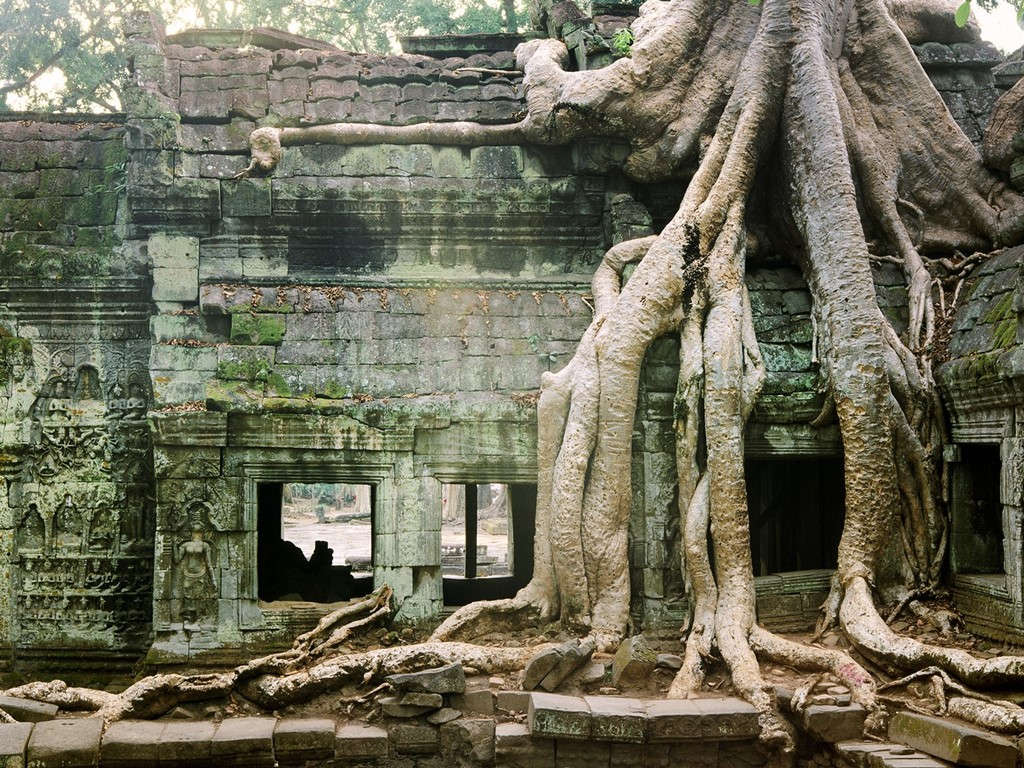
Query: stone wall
<point x="962" y="74"/>
<point x="76" y="504"/>
<point x="982" y="383"/>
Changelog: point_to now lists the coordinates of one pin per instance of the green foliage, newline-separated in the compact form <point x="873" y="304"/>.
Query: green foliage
<point x="82" y="39"/>
<point x="622" y="42"/>
<point x="963" y="11"/>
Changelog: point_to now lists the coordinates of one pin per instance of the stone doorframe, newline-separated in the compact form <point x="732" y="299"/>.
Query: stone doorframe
<point x="376" y="473"/>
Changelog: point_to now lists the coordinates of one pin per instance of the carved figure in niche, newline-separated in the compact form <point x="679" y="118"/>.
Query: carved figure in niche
<point x="137" y="402"/>
<point x="32" y="531"/>
<point x="87" y="384"/>
<point x="103" y="530"/>
<point x="117" y="401"/>
<point x="72" y="525"/>
<point x="58" y="406"/>
<point x="196" y="581"/>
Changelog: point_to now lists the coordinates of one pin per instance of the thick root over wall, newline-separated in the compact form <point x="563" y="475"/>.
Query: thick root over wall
<point x="804" y="127"/>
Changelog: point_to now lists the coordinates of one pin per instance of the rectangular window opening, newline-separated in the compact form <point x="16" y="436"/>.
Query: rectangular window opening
<point x="796" y="508"/>
<point x="977" y="540"/>
<point x="486" y="540"/>
<point x="315" y="541"/>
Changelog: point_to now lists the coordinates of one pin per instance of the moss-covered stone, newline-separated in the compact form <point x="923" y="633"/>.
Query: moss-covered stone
<point x="263" y="329"/>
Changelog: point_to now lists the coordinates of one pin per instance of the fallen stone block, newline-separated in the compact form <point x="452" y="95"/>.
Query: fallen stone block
<point x="539" y="666"/>
<point x="574" y="655"/>
<point x="634" y="661"/>
<point x="131" y="744"/>
<point x="392" y="706"/>
<point x="555" y="716"/>
<point x="613" y="718"/>
<point x="65" y="743"/>
<point x="442" y="716"/>
<point x="447" y="679"/>
<point x="418" y="699"/>
<point x="834" y="723"/>
<point x="593" y="674"/>
<point x="27" y="710"/>
<point x="952" y="740"/>
<point x="301" y="739"/>
<point x="13" y="741"/>
<point x="247" y="742"/>
<point x="357" y="741"/>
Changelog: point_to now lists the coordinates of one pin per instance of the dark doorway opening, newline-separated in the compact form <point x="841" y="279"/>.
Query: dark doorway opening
<point x="977" y="540"/>
<point x="315" y="541"/>
<point x="486" y="540"/>
<point x="796" y="511"/>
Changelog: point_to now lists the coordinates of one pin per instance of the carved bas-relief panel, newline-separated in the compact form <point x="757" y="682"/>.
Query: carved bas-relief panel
<point x="82" y="505"/>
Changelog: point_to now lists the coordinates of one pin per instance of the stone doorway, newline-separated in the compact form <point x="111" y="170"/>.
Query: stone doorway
<point x="796" y="513"/>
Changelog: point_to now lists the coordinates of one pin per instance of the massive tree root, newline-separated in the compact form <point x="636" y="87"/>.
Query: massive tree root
<point x="820" y="107"/>
<point x="312" y="667"/>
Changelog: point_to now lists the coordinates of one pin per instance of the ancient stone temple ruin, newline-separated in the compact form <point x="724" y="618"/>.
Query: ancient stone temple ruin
<point x="187" y="358"/>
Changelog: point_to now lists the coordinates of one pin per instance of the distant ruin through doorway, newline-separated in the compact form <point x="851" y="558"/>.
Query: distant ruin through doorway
<point x="315" y="540"/>
<point x="486" y="540"/>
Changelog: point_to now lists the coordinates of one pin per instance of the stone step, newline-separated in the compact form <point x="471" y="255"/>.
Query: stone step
<point x="952" y="740"/>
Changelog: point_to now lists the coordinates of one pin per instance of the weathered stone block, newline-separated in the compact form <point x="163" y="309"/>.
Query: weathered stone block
<point x="357" y="741"/>
<point x="555" y="716"/>
<point x="186" y="743"/>
<point x="131" y="744"/>
<point x="175" y="284"/>
<point x="673" y="720"/>
<point x="245" y="197"/>
<point x="725" y="719"/>
<point x="514" y="747"/>
<point x="13" y="741"/>
<point x="173" y="251"/>
<point x="538" y="667"/>
<point x="581" y="754"/>
<point x="468" y="739"/>
<point x="65" y="743"/>
<point x="614" y="718"/>
<point x="415" y="739"/>
<point x="244" y="741"/>
<point x="832" y="723"/>
<point x="480" y="702"/>
<point x="27" y="710"/>
<point x="297" y="740"/>
<point x="952" y="740"/>
<point x="392" y="706"/>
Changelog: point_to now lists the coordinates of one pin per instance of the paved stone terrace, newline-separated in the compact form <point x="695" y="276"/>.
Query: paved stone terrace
<point x="561" y="731"/>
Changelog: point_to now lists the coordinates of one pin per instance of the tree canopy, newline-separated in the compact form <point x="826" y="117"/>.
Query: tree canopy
<point x="82" y="39"/>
